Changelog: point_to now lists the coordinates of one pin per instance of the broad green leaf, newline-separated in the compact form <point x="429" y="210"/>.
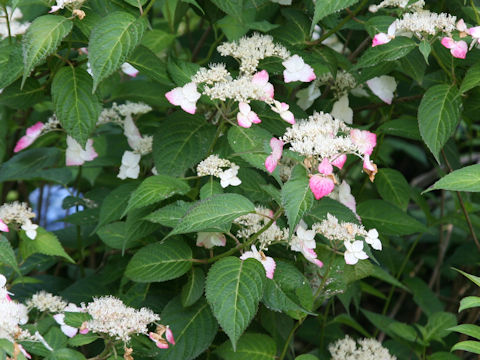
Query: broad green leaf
<point x="212" y="187"/>
<point x="387" y="218"/>
<point x="443" y="355"/>
<point x="169" y="215"/>
<point x="469" y="302"/>
<point x="350" y="321"/>
<point x="250" y="346"/>
<point x="65" y="354"/>
<point x="306" y="357"/>
<point x="467" y="329"/>
<point x="439" y="325"/>
<point x="380" y="322"/>
<point x="7" y="255"/>
<point x="280" y="292"/>
<point x="76" y="107"/>
<point x="115" y="235"/>
<point x="464" y="179"/>
<point x="414" y="65"/>
<point x="136" y="227"/>
<point x="329" y="206"/>
<point x="45" y="243"/>
<point x="194" y="329"/>
<point x="213" y="212"/>
<point x="28" y="164"/>
<point x="157" y="40"/>
<point x="160" y="261"/>
<point x="111" y="43"/>
<point x="472" y="278"/>
<point x="406" y="127"/>
<point x="145" y="61"/>
<point x="423" y="296"/>
<point x="234" y="289"/>
<point x="425" y="49"/>
<point x="16" y="97"/>
<point x="392" y="187"/>
<point x="80" y="340"/>
<point x="297" y="198"/>
<point x="403" y="330"/>
<point x="326" y="7"/>
<point x="438" y="116"/>
<point x="471" y="79"/>
<point x="182" y="142"/>
<point x="11" y="64"/>
<point x="395" y="49"/>
<point x="469" y="345"/>
<point x="193" y="289"/>
<point x="154" y="189"/>
<point x="181" y="71"/>
<point x="249" y="144"/>
<point x="136" y="3"/>
<point x="42" y="38"/>
<point x="115" y="203"/>
<point x="230" y="7"/>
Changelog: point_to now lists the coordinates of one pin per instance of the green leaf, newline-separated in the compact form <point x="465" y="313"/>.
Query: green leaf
<point x="326" y="7"/>
<point x="28" y="164"/>
<point x="145" y="61"/>
<point x="297" y="198"/>
<point x="395" y="49"/>
<point x="423" y="296"/>
<point x="42" y="38"/>
<point x="350" y="321"/>
<point x="155" y="189"/>
<point x="439" y="325"/>
<point x="76" y="107"/>
<point x="182" y="141"/>
<point x="425" y="49"/>
<point x="212" y="187"/>
<point x="469" y="302"/>
<point x="392" y="187"/>
<point x="11" y="64"/>
<point x="115" y="235"/>
<point x="160" y="261"/>
<point x="181" y="71"/>
<point x="45" y="243"/>
<point x="65" y="354"/>
<point x="403" y="331"/>
<point x="234" y="289"/>
<point x="471" y="79"/>
<point x="406" y="127"/>
<point x="306" y="357"/>
<point x="387" y="218"/>
<point x="329" y="206"/>
<point x="249" y="144"/>
<point x="470" y="346"/>
<point x="438" y="116"/>
<point x="7" y="255"/>
<point x="250" y="346"/>
<point x="230" y="7"/>
<point x="464" y="179"/>
<point x="472" y="278"/>
<point x="136" y="3"/>
<point x="80" y="340"/>
<point x="467" y="329"/>
<point x="414" y="66"/>
<point x="111" y="43"/>
<point x="280" y="292"/>
<point x="16" y="97"/>
<point x="209" y="214"/>
<point x="193" y="289"/>
<point x="114" y="204"/>
<point x="169" y="215"/>
<point x="194" y="329"/>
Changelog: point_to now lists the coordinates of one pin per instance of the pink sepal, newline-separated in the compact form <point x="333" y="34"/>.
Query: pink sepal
<point x="169" y="336"/>
<point x="3" y="226"/>
<point x="339" y="161"/>
<point x="321" y="186"/>
<point x="325" y="167"/>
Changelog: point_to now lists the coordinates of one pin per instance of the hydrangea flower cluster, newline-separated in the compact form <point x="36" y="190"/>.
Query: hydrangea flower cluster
<point x="217" y="83"/>
<point x="362" y="349"/>
<point x="324" y="142"/>
<point x="19" y="214"/>
<point x="213" y="165"/>
<point x="349" y="233"/>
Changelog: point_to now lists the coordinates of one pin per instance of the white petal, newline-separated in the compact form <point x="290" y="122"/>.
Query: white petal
<point x="383" y="87"/>
<point x="342" y="111"/>
<point x="350" y="259"/>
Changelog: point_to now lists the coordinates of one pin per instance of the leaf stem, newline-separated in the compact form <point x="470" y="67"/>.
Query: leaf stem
<point x="290" y="336"/>
<point x="8" y="24"/>
<point x="147" y="9"/>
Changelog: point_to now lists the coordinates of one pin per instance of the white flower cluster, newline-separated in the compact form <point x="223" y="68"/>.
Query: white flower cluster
<point x="403" y="4"/>
<point x="12" y="314"/>
<point x="19" y="213"/>
<point x="213" y="165"/>
<point x="425" y="22"/>
<point x="242" y="89"/>
<point x="110" y="316"/>
<point x="341" y="84"/>
<point x="363" y="349"/>
<point x="347" y="232"/>
<point x="320" y="135"/>
<point x="71" y="4"/>
<point x="118" y="113"/>
<point x="250" y="50"/>
<point x="16" y="27"/>
<point x="44" y="301"/>
<point x="252" y="223"/>
<point x="215" y="73"/>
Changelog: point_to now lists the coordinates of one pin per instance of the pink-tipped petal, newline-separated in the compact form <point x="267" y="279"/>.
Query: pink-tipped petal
<point x="474" y="32"/>
<point x="365" y="140"/>
<point x="325" y="167"/>
<point x="243" y="120"/>
<point x="84" y="331"/>
<point x="367" y="163"/>
<point x="459" y="50"/>
<point x="253" y="117"/>
<point x="23" y="143"/>
<point x="321" y="186"/>
<point x="277" y="147"/>
<point x="380" y="39"/>
<point x="448" y="42"/>
<point x="24" y="352"/>
<point x="269" y="90"/>
<point x="70" y="331"/>
<point x="3" y="226"/>
<point x="269" y="265"/>
<point x="288" y="117"/>
<point x="188" y="107"/>
<point x="311" y="256"/>
<point x="270" y="163"/>
<point x="35" y="129"/>
<point x="461" y="26"/>
<point x="169" y="336"/>
<point x="175" y="96"/>
<point x="339" y="161"/>
<point x="260" y="77"/>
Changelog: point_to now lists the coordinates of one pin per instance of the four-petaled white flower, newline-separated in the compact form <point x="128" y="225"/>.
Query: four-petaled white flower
<point x="260" y="79"/>
<point x="68" y="330"/>
<point x="186" y="97"/>
<point x="76" y="155"/>
<point x="210" y="239"/>
<point x="297" y="70"/>
<point x="354" y="252"/>
<point x="30" y="229"/>
<point x="267" y="262"/>
<point x="130" y="167"/>
<point x="229" y="177"/>
<point x="246" y="116"/>
<point x="373" y="240"/>
<point x="281" y="108"/>
<point x="304" y="242"/>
